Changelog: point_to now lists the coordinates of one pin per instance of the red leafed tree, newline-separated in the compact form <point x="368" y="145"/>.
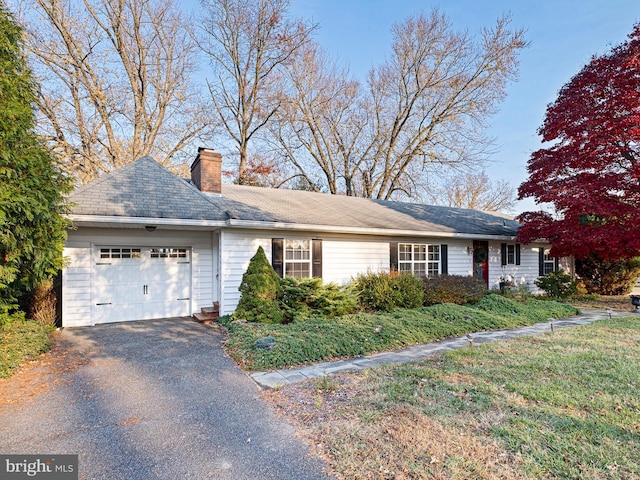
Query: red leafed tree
<point x="591" y="171"/>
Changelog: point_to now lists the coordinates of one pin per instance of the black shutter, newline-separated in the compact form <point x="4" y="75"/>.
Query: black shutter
<point x="277" y="255"/>
<point x="444" y="259"/>
<point x="316" y="256"/>
<point x="503" y="253"/>
<point x="393" y="256"/>
<point x="541" y="262"/>
<point x="556" y="266"/>
<point x="517" y="254"/>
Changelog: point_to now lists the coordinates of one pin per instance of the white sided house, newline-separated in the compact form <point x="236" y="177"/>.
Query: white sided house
<point x="149" y="244"/>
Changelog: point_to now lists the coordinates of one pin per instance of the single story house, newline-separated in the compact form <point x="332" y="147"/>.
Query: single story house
<point x="148" y="244"/>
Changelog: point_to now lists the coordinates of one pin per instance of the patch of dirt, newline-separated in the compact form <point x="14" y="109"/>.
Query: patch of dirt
<point x="37" y="376"/>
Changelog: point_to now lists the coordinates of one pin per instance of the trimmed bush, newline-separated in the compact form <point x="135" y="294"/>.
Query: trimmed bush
<point x="382" y="291"/>
<point x="557" y="284"/>
<point x="309" y="297"/>
<point x="608" y="277"/>
<point x="261" y="292"/>
<point x="455" y="289"/>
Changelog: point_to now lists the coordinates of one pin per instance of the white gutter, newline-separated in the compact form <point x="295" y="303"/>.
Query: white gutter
<point x="171" y="222"/>
<point x="257" y="225"/>
<point x="360" y="230"/>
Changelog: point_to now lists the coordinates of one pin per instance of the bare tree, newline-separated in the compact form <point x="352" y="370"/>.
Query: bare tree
<point x="422" y="110"/>
<point x="473" y="190"/>
<point x="320" y="125"/>
<point x="115" y="81"/>
<point x="248" y="43"/>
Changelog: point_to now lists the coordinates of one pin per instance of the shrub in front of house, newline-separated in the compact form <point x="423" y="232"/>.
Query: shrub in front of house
<point x="557" y="284"/>
<point x="608" y="277"/>
<point x="384" y="291"/>
<point x="456" y="289"/>
<point x="260" y="292"/>
<point x="309" y="297"/>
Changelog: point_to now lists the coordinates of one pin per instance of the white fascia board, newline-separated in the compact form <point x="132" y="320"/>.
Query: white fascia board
<point x="81" y="220"/>
<point x="362" y="230"/>
<point x="96" y="220"/>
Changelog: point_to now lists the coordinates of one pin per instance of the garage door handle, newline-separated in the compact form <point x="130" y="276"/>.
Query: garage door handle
<point x="145" y="289"/>
<point x="103" y="303"/>
<point x="184" y="298"/>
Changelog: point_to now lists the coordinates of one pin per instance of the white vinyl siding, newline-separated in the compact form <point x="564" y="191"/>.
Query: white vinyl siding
<point x="526" y="272"/>
<point x="76" y="283"/>
<point x="343" y="259"/>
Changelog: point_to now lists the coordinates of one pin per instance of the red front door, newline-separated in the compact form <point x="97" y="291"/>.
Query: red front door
<point x="481" y="260"/>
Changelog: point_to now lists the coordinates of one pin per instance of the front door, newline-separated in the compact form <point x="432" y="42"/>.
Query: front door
<point x="481" y="260"/>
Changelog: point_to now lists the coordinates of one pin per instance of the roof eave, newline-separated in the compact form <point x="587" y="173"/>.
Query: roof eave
<point x="116" y="221"/>
<point x="361" y="230"/>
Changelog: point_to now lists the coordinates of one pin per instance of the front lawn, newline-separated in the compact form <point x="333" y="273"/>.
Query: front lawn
<point x="558" y="405"/>
<point x="317" y="340"/>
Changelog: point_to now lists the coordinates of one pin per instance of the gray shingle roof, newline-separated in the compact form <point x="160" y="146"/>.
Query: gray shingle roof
<point x="143" y="188"/>
<point x="308" y="208"/>
<point x="146" y="189"/>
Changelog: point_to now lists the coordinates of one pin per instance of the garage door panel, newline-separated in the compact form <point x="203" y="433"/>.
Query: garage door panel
<point x="107" y="313"/>
<point x="156" y="283"/>
<point x="114" y="274"/>
<point x="119" y="293"/>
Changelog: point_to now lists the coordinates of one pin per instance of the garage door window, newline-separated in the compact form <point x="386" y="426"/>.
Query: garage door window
<point x="119" y="253"/>
<point x="168" y="253"/>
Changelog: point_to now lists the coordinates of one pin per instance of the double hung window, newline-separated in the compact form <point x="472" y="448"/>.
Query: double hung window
<point x="420" y="259"/>
<point x="297" y="258"/>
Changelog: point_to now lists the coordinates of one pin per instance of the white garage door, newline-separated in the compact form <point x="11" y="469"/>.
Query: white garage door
<point x="138" y="283"/>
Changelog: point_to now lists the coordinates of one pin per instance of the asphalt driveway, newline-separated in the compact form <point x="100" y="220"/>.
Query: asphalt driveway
<point x="153" y="399"/>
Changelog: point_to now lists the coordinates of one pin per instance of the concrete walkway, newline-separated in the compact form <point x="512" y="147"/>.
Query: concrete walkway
<point x="280" y="378"/>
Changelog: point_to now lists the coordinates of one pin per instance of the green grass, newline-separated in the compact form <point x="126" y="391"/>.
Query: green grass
<point x="569" y="402"/>
<point x="20" y="341"/>
<point x="560" y="405"/>
<point x="316" y="339"/>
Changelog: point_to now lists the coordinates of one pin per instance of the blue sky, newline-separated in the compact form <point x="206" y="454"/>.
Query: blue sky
<point x="563" y="35"/>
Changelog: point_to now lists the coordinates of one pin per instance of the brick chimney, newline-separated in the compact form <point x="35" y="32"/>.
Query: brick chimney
<point x="206" y="171"/>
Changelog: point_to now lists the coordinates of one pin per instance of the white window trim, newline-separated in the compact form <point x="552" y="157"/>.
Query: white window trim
<point x="309" y="262"/>
<point x="548" y="261"/>
<point x="428" y="265"/>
